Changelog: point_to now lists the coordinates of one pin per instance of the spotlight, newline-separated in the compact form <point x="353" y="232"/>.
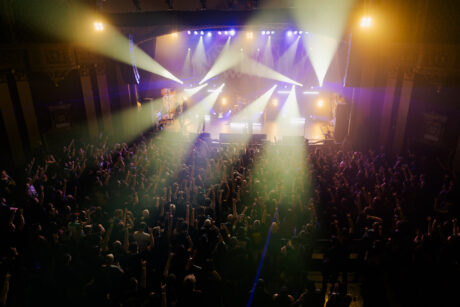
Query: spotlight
<point x="366" y="22"/>
<point x="258" y="49"/>
<point x="195" y="32"/>
<point x="209" y="34"/>
<point x="174" y="34"/>
<point x="232" y="32"/>
<point x="220" y="32"/>
<point x="189" y="32"/>
<point x="241" y="49"/>
<point x="249" y="35"/>
<point x="224" y="101"/>
<point x="289" y="33"/>
<point x="300" y="32"/>
<point x="98" y="26"/>
<point x="226" y="32"/>
<point x="263" y="32"/>
<point x="273" y="32"/>
<point x="295" y="32"/>
<point x="275" y="102"/>
<point x="188" y="49"/>
<point x="320" y="103"/>
<point x="201" y="33"/>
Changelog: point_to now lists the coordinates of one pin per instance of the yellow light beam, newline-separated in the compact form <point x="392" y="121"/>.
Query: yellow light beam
<point x="226" y="59"/>
<point x="286" y="61"/>
<point x="232" y="57"/>
<point x="325" y="20"/>
<point x="254" y="68"/>
<point x="253" y="111"/>
<point x="267" y="55"/>
<point x="187" y="68"/>
<point x="75" y="23"/>
<point x="204" y="106"/>
<point x="199" y="60"/>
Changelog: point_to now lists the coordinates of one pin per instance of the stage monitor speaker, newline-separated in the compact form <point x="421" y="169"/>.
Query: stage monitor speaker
<point x="227" y="137"/>
<point x="258" y="138"/>
<point x="202" y="135"/>
<point x="342" y="115"/>
<point x="293" y="140"/>
<point x="233" y="138"/>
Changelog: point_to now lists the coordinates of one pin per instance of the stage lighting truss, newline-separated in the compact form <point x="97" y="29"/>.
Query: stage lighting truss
<point x="291" y="33"/>
<point x="216" y="90"/>
<point x="232" y="32"/>
<point x="285" y="92"/>
<point x="265" y="32"/>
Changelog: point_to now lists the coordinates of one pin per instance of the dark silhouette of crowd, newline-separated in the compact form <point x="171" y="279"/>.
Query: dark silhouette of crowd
<point x="160" y="223"/>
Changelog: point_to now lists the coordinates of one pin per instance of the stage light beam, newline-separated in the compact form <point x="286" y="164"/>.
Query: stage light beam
<point x="326" y="21"/>
<point x="187" y="68"/>
<point x="224" y="61"/>
<point x="81" y="26"/>
<point x="204" y="106"/>
<point x="290" y="108"/>
<point x="252" y="112"/>
<point x="286" y="61"/>
<point x="192" y="91"/>
<point x="267" y="55"/>
<point x="199" y="59"/>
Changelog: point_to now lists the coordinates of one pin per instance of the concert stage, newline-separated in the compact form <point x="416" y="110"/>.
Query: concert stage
<point x="313" y="129"/>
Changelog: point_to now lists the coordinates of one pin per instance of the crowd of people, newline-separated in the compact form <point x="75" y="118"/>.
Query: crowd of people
<point x="161" y="223"/>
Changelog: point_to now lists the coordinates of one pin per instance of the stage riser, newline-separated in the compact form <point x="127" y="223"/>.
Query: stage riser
<point x="241" y="138"/>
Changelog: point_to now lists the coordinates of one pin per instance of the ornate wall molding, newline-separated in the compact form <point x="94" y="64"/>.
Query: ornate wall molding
<point x="434" y="62"/>
<point x="56" y="60"/>
<point x="393" y="71"/>
<point x="12" y="59"/>
<point x="84" y="70"/>
<point x="409" y="73"/>
<point x="100" y="69"/>
<point x="58" y="75"/>
<point x="3" y="77"/>
<point x="19" y="75"/>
